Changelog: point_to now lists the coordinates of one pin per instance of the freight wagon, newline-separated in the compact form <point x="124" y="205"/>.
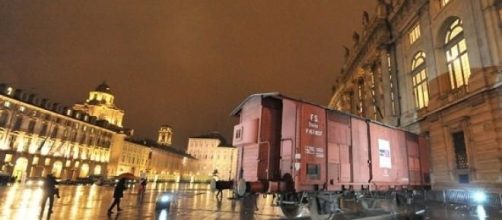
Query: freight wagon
<point x="311" y="156"/>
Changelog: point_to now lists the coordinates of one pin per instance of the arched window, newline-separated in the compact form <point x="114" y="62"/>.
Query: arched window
<point x="457" y="59"/>
<point x="420" y="80"/>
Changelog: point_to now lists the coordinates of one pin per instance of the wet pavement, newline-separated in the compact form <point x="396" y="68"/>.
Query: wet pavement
<point x="189" y="201"/>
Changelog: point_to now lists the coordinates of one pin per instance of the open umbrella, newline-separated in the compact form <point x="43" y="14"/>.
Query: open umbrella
<point x="127" y="176"/>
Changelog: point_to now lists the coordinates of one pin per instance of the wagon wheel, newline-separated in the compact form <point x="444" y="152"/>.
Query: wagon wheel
<point x="291" y="210"/>
<point x="290" y="205"/>
<point x="316" y="215"/>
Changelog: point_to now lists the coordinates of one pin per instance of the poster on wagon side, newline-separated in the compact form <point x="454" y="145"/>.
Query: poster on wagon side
<point x="384" y="152"/>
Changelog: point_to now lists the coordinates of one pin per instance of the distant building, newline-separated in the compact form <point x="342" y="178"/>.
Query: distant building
<point x="212" y="152"/>
<point x="101" y="105"/>
<point x="168" y="163"/>
<point x="38" y="137"/>
<point x="128" y="157"/>
<point x="434" y="68"/>
<point x="147" y="158"/>
<point x="165" y="135"/>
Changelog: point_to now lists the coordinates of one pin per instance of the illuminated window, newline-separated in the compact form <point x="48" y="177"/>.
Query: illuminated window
<point x="420" y="80"/>
<point x="6" y="104"/>
<point x="22" y="108"/>
<point x="373" y="95"/>
<point x="47" y="161"/>
<point x="444" y="2"/>
<point x="77" y="163"/>
<point x="414" y="34"/>
<point x="360" y="104"/>
<point x="391" y="85"/>
<point x="35" y="160"/>
<point x="456" y="55"/>
<point x="9" y="90"/>
<point x="8" y="158"/>
<point x="460" y="150"/>
<point x="68" y="163"/>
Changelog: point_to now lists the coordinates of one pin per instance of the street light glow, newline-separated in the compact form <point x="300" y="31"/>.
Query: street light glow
<point x="479" y="197"/>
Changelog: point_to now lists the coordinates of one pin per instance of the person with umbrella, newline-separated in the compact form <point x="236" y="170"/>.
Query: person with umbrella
<point x="118" y="193"/>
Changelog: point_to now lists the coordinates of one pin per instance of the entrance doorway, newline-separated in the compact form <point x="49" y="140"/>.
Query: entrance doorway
<point x="20" y="168"/>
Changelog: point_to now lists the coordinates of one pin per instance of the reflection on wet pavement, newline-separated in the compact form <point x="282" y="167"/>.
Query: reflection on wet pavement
<point x="189" y="201"/>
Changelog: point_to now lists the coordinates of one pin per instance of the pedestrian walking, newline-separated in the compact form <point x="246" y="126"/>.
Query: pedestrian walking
<point x="219" y="194"/>
<point x="118" y="193"/>
<point x="141" y="189"/>
<point x="49" y="191"/>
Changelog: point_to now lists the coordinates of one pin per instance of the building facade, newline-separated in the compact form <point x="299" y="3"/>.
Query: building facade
<point x="147" y="158"/>
<point x="38" y="137"/>
<point x="433" y="67"/>
<point x="169" y="164"/>
<point x="212" y="153"/>
<point x="128" y="157"/>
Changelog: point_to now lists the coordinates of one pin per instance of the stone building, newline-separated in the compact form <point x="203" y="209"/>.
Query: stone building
<point x="212" y="153"/>
<point x="433" y="67"/>
<point x="38" y="137"/>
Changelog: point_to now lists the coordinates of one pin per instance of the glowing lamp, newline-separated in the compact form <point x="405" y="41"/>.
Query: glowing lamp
<point x="479" y="197"/>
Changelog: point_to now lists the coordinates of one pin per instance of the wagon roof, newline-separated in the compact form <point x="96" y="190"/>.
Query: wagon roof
<point x="278" y="95"/>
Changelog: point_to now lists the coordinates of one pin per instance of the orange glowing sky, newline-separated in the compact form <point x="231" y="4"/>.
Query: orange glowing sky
<point x="183" y="63"/>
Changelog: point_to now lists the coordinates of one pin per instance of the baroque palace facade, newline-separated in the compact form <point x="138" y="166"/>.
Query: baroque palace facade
<point x="38" y="137"/>
<point x="433" y="67"/>
<point x="212" y="153"/>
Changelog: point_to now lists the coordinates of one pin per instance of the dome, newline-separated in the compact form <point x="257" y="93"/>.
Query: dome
<point x="103" y="87"/>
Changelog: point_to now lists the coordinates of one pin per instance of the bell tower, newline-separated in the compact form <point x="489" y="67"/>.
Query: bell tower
<point x="165" y="135"/>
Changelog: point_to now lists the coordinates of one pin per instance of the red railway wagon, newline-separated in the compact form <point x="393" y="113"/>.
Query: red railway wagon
<point x="308" y="154"/>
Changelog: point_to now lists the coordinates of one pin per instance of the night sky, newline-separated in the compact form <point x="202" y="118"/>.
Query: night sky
<point x="183" y="63"/>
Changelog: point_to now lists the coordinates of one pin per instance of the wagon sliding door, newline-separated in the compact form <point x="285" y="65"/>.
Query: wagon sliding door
<point x="360" y="152"/>
<point x="288" y="138"/>
<point x="339" y="136"/>
<point x="249" y="161"/>
<point x="389" y="156"/>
